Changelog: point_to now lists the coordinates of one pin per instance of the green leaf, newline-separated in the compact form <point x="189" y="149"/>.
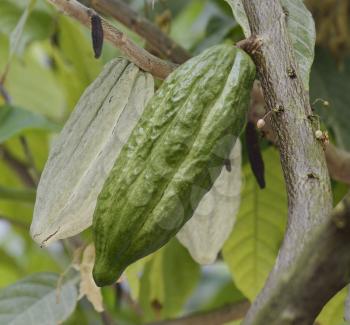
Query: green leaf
<point x="216" y="289"/>
<point x="240" y="16"/>
<point x="22" y="27"/>
<point x="331" y="83"/>
<point x="218" y="28"/>
<point x="133" y="274"/>
<point x="236" y="322"/>
<point x="16" y="34"/>
<point x="33" y="300"/>
<point x="189" y="28"/>
<point x="301" y="28"/>
<point x="77" y="50"/>
<point x="26" y="195"/>
<point x="168" y="281"/>
<point x="17" y="210"/>
<point x="8" y="274"/>
<point x="183" y="29"/>
<point x="32" y="84"/>
<point x="251" y="250"/>
<point x="14" y="120"/>
<point x="333" y="312"/>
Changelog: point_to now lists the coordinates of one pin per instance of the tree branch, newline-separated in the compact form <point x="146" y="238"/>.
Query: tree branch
<point x="302" y="156"/>
<point x="155" y="37"/>
<point x="318" y="274"/>
<point x="212" y="317"/>
<point x="146" y="61"/>
<point x="338" y="160"/>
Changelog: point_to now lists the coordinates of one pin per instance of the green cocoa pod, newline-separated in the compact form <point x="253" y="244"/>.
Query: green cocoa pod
<point x="86" y="149"/>
<point x="173" y="156"/>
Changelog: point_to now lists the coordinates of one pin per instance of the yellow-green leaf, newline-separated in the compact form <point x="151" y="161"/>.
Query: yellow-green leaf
<point x="333" y="312"/>
<point x="252" y="247"/>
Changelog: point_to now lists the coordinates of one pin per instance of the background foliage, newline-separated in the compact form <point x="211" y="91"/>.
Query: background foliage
<point x="48" y="61"/>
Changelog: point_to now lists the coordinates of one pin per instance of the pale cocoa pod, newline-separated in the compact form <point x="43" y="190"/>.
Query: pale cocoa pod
<point x="86" y="149"/>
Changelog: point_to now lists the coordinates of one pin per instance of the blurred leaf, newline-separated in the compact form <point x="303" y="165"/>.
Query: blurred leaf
<point x="252" y="248"/>
<point x="17" y="194"/>
<point x="168" y="281"/>
<point x="339" y="191"/>
<point x="77" y="50"/>
<point x="39" y="5"/>
<point x="217" y="29"/>
<point x="36" y="259"/>
<point x="183" y="29"/>
<point x="17" y="32"/>
<point x="32" y="84"/>
<point x="33" y="300"/>
<point x="240" y="16"/>
<point x="227" y="294"/>
<point x="301" y="27"/>
<point x="8" y="260"/>
<point x="216" y="289"/>
<point x="224" y="6"/>
<point x="133" y="275"/>
<point x="189" y="27"/>
<point x="67" y="77"/>
<point x="38" y="143"/>
<point x="236" y="322"/>
<point x="21" y="211"/>
<point x="8" y="274"/>
<point x="331" y="83"/>
<point x="14" y="120"/>
<point x="333" y="312"/>
<point x="347" y="305"/>
<point x="24" y="28"/>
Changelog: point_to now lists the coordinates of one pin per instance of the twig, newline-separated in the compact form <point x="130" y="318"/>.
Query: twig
<point x="155" y="37"/>
<point x="146" y="61"/>
<point x="3" y="92"/>
<point x="302" y="156"/>
<point x="30" y="160"/>
<point x="317" y="275"/>
<point x="212" y="317"/>
<point x="20" y="168"/>
<point x="338" y="162"/>
<point x="107" y="318"/>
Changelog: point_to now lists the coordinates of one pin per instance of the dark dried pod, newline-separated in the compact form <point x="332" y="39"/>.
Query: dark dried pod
<point x="254" y="154"/>
<point x="97" y="35"/>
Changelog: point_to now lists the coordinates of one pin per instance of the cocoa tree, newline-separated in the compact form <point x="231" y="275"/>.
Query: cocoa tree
<point x="148" y="151"/>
